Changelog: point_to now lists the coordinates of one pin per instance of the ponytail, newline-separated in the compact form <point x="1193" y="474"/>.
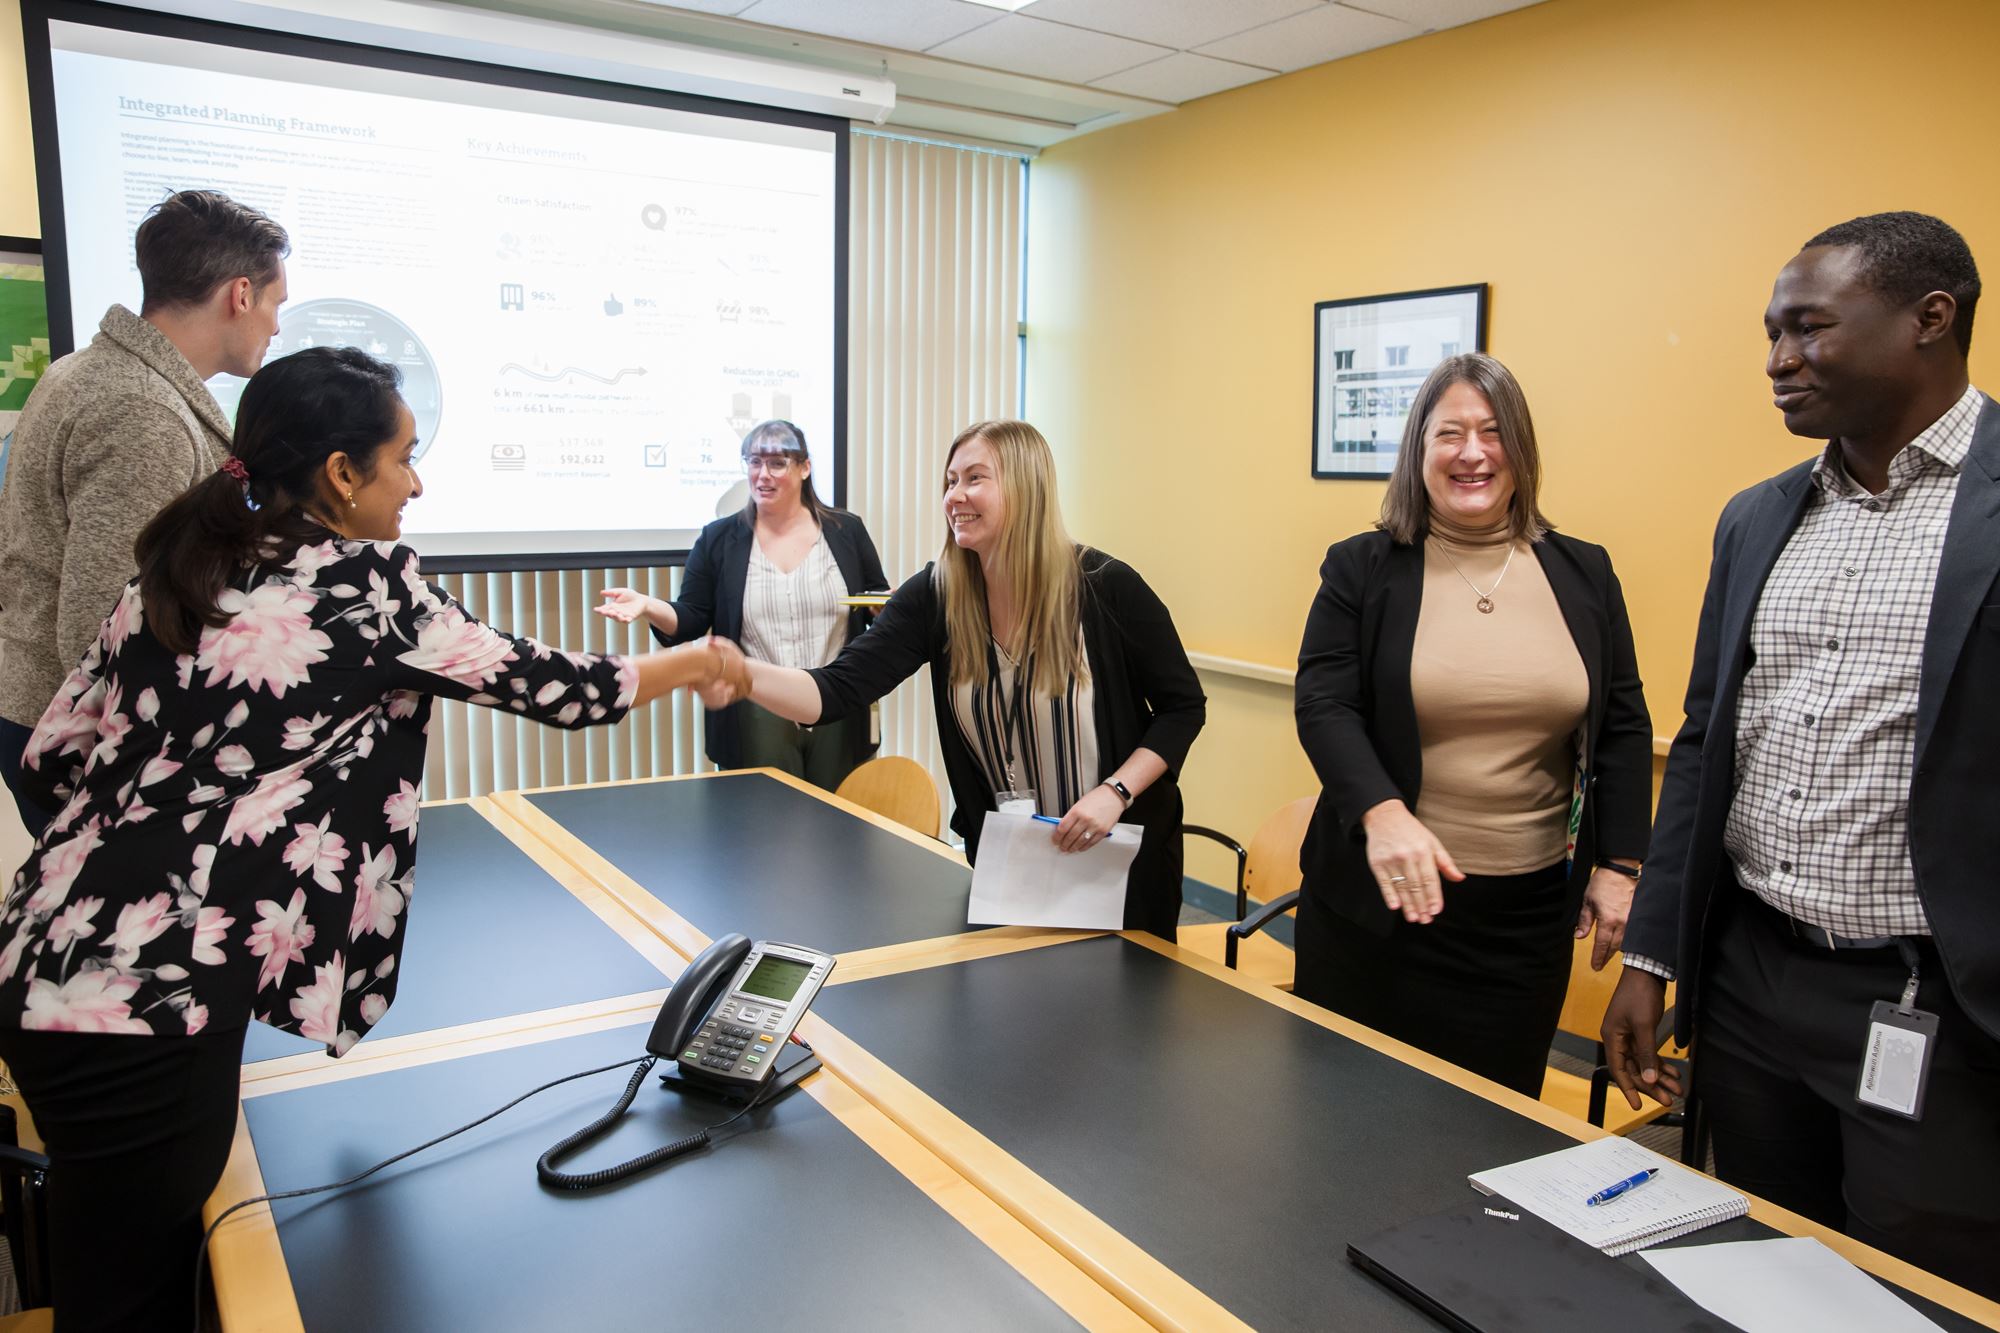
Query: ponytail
<point x="257" y="508"/>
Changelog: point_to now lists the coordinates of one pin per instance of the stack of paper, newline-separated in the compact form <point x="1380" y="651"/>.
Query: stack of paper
<point x="1022" y="880"/>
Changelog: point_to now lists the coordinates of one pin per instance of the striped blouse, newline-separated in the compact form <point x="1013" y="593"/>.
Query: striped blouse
<point x="795" y="619"/>
<point x="1041" y="743"/>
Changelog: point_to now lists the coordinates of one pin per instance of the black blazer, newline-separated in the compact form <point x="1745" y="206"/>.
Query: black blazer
<point x="711" y="602"/>
<point x="1358" y="723"/>
<point x="1143" y="689"/>
<point x="1954" y="835"/>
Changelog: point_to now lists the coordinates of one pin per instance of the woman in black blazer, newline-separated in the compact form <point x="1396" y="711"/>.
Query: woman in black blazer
<point x="1111" y="704"/>
<point x="770" y="577"/>
<point x="1482" y="743"/>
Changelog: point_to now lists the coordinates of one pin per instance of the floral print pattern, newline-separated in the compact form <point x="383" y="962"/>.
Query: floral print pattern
<point x="238" y="832"/>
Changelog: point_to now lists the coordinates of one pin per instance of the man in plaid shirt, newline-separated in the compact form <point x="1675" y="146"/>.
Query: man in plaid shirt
<point x="1827" y="833"/>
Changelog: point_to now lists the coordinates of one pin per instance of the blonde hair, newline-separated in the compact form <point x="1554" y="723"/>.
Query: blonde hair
<point x="1040" y="561"/>
<point x="1406" y="507"/>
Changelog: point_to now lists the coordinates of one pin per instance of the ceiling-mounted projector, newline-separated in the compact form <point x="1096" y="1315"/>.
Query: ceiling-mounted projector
<point x="556" y="48"/>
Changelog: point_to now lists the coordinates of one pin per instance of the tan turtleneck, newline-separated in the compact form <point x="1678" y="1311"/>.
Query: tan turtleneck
<point x="1499" y="700"/>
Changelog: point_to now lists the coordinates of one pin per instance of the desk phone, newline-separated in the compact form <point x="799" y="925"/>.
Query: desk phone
<point x="724" y="1024"/>
<point x="764" y="989"/>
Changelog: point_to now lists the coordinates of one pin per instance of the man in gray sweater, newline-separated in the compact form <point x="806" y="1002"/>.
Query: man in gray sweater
<point x="115" y="430"/>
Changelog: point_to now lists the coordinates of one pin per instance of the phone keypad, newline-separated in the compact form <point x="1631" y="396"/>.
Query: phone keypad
<point x="725" y="1047"/>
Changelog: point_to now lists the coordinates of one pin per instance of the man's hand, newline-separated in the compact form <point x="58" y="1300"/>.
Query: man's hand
<point x="1631" y="1048"/>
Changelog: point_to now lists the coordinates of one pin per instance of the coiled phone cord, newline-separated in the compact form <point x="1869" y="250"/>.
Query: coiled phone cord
<point x="201" y="1256"/>
<point x="545" y="1169"/>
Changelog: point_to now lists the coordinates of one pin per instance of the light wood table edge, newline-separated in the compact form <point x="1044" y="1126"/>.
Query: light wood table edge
<point x="882" y="822"/>
<point x="566" y="856"/>
<point x="311" y="1069"/>
<point x="1899" y="1271"/>
<point x="941" y="951"/>
<point x="680" y="934"/>
<point x="253" y="1286"/>
<point x="1074" y="1291"/>
<point x="651" y="943"/>
<point x="1155" y="1293"/>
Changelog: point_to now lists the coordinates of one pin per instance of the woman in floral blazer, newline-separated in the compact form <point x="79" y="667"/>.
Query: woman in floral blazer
<point x="236" y="764"/>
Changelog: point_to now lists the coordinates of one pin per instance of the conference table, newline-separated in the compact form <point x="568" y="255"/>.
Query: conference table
<point x="1013" y="1129"/>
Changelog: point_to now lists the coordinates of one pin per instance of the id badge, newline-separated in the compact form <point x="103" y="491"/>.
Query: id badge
<point x="1896" y="1062"/>
<point x="1019" y="802"/>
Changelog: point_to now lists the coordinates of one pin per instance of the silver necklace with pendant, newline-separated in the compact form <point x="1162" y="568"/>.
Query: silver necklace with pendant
<point x="1485" y="598"/>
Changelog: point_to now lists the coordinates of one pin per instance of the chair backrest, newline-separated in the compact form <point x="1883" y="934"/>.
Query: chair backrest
<point x="1590" y="992"/>
<point x="1273" y="868"/>
<point x="896" y="788"/>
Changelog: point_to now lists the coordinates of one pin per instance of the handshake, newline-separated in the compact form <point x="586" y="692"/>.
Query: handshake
<point x="723" y="673"/>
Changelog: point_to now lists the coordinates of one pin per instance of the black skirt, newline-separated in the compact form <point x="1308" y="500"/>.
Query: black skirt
<point x="1481" y="986"/>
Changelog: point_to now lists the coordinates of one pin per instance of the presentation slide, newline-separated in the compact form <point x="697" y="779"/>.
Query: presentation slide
<point x="591" y="301"/>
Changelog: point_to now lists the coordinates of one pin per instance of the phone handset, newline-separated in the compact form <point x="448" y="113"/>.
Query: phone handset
<point x="724" y="1022"/>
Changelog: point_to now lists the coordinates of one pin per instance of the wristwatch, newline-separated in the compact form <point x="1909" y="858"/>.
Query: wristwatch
<point x="1630" y="872"/>
<point x="1124" y="792"/>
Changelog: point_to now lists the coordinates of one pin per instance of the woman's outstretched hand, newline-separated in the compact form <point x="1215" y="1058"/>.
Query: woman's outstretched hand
<point x="623" y="605"/>
<point x="728" y="679"/>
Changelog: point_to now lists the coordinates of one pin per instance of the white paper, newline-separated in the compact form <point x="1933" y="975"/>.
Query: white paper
<point x="1555" y="1186"/>
<point x="1022" y="880"/>
<point x="1785" y="1285"/>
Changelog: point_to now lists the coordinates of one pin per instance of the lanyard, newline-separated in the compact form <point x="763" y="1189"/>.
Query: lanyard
<point x="1013" y="715"/>
<point x="1911" y="960"/>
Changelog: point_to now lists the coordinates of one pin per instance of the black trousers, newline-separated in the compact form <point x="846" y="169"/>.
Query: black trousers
<point x="1777" y="1057"/>
<point x="13" y="744"/>
<point x="1481" y="986"/>
<point x="137" y="1131"/>
<point x="822" y="755"/>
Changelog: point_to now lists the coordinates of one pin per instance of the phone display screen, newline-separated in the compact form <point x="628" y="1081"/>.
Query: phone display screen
<point x="776" y="978"/>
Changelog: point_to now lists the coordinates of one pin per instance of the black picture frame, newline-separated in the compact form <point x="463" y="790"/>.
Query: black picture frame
<point x="1367" y="383"/>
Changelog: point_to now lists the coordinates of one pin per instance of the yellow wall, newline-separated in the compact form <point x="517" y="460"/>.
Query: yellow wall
<point x="18" y="214"/>
<point x="1627" y="174"/>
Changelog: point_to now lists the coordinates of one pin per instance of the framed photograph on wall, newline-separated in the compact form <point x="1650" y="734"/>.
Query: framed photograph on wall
<point x="1370" y="353"/>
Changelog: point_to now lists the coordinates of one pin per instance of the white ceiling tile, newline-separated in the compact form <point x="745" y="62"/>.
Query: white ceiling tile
<point x="906" y="25"/>
<point x="1047" y="50"/>
<point x="1324" y="33"/>
<point x="1177" y="23"/>
<point x="703" y="6"/>
<point x="1434" y="14"/>
<point x="1182" y="77"/>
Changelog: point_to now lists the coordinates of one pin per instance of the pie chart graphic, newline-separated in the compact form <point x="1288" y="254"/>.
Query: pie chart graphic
<point x="340" y="322"/>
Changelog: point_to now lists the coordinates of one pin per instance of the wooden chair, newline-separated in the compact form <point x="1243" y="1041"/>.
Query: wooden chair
<point x="1582" y="1016"/>
<point x="1268" y="869"/>
<point x="896" y="788"/>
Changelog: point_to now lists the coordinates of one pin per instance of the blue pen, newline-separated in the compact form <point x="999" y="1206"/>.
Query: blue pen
<point x="1610" y="1192"/>
<point x="1046" y="819"/>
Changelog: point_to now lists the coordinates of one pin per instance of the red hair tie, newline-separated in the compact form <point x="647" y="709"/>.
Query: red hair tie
<point x="234" y="467"/>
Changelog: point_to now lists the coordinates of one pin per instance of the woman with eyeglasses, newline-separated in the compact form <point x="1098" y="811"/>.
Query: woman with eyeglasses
<point x="772" y="578"/>
<point x="1057" y="677"/>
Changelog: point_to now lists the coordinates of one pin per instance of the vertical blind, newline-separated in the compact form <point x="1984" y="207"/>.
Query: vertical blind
<point x="934" y="282"/>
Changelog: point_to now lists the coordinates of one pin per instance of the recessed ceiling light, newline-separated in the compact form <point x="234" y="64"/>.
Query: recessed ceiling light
<point x="1009" y="5"/>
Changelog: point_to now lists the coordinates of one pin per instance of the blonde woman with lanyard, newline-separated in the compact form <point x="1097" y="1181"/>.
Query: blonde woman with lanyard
<point x="1056" y="673"/>
<point x="771" y="577"/>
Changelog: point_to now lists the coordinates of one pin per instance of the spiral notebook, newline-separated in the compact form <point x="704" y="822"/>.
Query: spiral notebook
<point x="1553" y="1187"/>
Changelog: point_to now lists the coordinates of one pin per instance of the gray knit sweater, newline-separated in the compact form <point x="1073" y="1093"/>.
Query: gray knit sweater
<point x="110" y="434"/>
